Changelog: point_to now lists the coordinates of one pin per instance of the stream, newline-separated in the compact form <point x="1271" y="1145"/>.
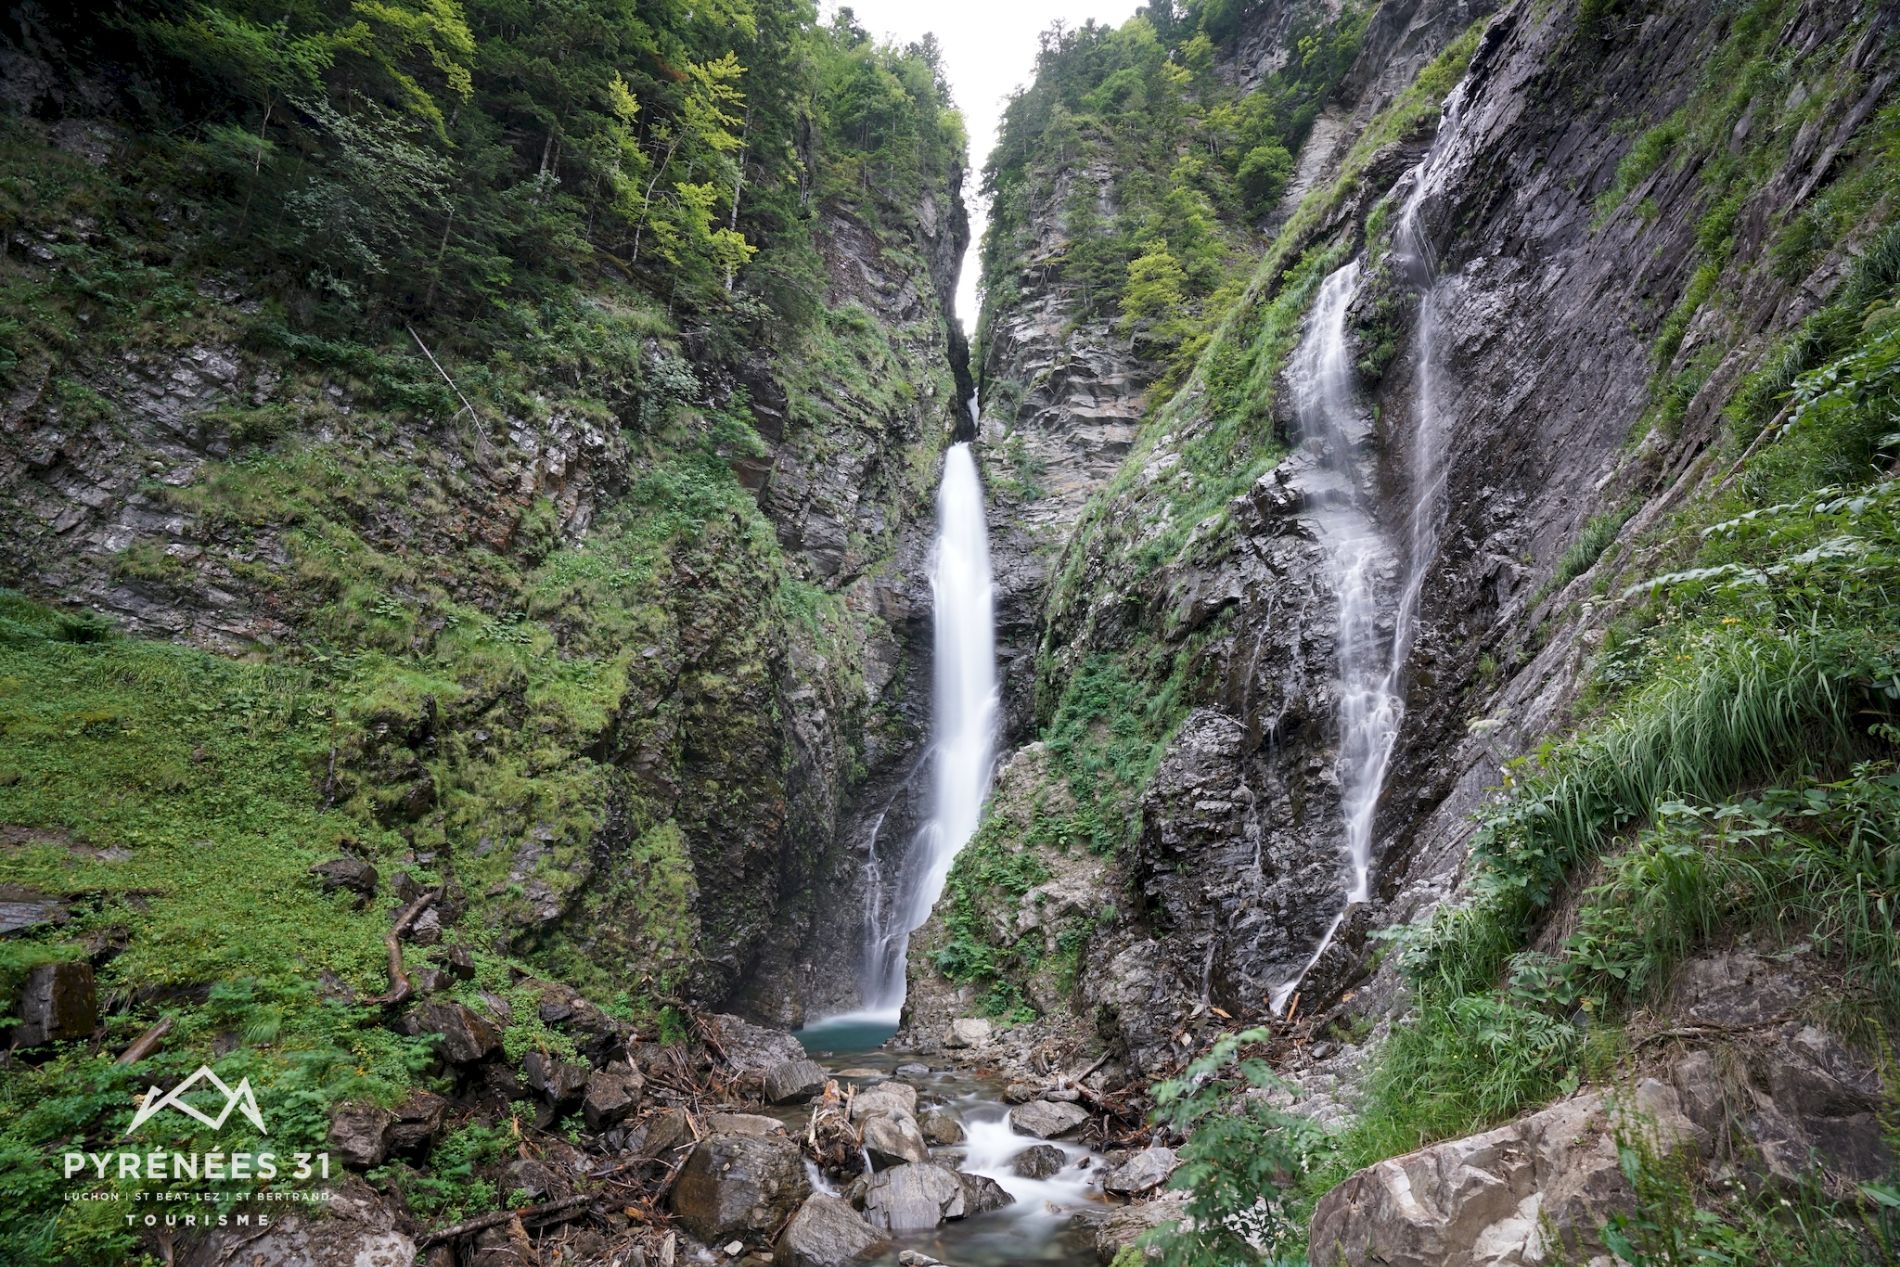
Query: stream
<point x="1038" y="1228"/>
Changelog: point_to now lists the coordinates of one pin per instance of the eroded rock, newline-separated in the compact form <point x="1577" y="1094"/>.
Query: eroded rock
<point x="1047" y="1119"/>
<point x="740" y="1185"/>
<point x="827" y="1232"/>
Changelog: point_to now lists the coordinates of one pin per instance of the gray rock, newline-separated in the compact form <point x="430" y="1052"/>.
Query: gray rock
<point x="1039" y="1161"/>
<point x="982" y="1194"/>
<point x="940" y="1126"/>
<point x="58" y="1003"/>
<point x="914" y="1198"/>
<point x="1496" y="1197"/>
<point x="1046" y="1119"/>
<point x="827" y="1232"/>
<point x="558" y="1082"/>
<point x="794" y="1081"/>
<point x="1142" y="1173"/>
<point x="23" y="908"/>
<point x="913" y="1071"/>
<point x="359" y="1134"/>
<point x="740" y="1185"/>
<point x="612" y="1093"/>
<point x="417" y="1120"/>
<point x="356" y="1227"/>
<point x="750" y="1048"/>
<point x="892" y="1139"/>
<point x="969" y="1031"/>
<point x="885" y="1097"/>
<point x="466" y="1036"/>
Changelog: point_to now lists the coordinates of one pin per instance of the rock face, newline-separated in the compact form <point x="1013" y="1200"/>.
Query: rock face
<point x="360" y="1134"/>
<point x="827" y="1232"/>
<point x="743" y="1186"/>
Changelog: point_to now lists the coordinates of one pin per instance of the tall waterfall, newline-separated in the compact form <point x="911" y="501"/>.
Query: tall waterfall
<point x="964" y="705"/>
<point x="1370" y="669"/>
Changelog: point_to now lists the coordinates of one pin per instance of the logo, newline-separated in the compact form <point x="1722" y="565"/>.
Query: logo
<point x="239" y="1098"/>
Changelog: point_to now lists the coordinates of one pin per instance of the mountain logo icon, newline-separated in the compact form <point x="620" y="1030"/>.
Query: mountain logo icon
<point x="238" y="1097"/>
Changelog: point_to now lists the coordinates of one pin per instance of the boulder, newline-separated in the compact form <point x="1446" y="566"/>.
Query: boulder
<point x="1047" y="1119"/>
<point x="58" y="1003"/>
<point x="982" y="1194"/>
<point x="969" y="1031"/>
<point x="355" y="1226"/>
<point x="467" y="1037"/>
<point x="1144" y="1172"/>
<point x="658" y="1134"/>
<point x="1114" y="1230"/>
<point x="417" y="1119"/>
<point x="794" y="1081"/>
<point x="457" y="962"/>
<point x="740" y="1185"/>
<point x="827" y="1232"/>
<point x="940" y="1126"/>
<point x="885" y="1097"/>
<point x="892" y="1139"/>
<point x="347" y="873"/>
<point x="1039" y="1161"/>
<point x="750" y="1048"/>
<point x="912" y="1071"/>
<point x="612" y="1093"/>
<point x="1505" y="1197"/>
<point x="559" y="1082"/>
<point x="359" y="1134"/>
<point x="914" y="1198"/>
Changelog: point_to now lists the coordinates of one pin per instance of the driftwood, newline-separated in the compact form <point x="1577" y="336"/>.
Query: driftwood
<point x="399" y="987"/>
<point x="548" y="1210"/>
<point x="146" y="1043"/>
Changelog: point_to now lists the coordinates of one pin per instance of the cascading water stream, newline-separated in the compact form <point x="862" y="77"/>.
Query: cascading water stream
<point x="964" y="707"/>
<point x="1370" y="676"/>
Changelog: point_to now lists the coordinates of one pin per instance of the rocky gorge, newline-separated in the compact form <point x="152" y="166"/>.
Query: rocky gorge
<point x="508" y="532"/>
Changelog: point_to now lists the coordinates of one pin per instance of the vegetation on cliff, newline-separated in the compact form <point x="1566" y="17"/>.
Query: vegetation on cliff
<point x="495" y="284"/>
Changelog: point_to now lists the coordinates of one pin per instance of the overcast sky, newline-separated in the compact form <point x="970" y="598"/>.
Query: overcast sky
<point x="989" y="47"/>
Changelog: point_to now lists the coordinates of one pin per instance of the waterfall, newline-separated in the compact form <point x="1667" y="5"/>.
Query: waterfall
<point x="1370" y="671"/>
<point x="964" y="707"/>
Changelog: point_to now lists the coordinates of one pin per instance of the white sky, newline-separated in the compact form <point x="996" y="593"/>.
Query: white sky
<point x="989" y="47"/>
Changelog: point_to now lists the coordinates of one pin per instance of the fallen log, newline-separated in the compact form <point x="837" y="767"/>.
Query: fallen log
<point x="145" y="1043"/>
<point x="399" y="987"/>
<point x="550" y="1210"/>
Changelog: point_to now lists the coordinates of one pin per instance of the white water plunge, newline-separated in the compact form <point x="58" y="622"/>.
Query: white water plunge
<point x="964" y="707"/>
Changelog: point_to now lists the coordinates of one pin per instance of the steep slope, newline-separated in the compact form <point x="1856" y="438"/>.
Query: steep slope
<point x="1505" y="449"/>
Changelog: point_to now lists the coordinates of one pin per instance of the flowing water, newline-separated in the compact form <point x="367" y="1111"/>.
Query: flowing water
<point x="1370" y="667"/>
<point x="964" y="707"/>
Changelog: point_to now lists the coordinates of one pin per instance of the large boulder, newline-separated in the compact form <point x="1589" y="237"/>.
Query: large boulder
<point x="417" y="1120"/>
<point x="794" y="1081"/>
<point x="969" y="1031"/>
<point x="750" y="1048"/>
<point x="355" y="1227"/>
<point x="940" y="1126"/>
<point x="885" y="1097"/>
<point x="359" y="1134"/>
<point x="742" y="1186"/>
<point x="1047" y="1119"/>
<point x="1144" y="1172"/>
<point x="467" y="1037"/>
<point x="919" y="1196"/>
<point x="914" y="1198"/>
<point x="612" y="1093"/>
<point x="558" y="1082"/>
<point x="827" y="1232"/>
<point x="1505" y="1198"/>
<point x="1039" y="1161"/>
<point x="893" y="1139"/>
